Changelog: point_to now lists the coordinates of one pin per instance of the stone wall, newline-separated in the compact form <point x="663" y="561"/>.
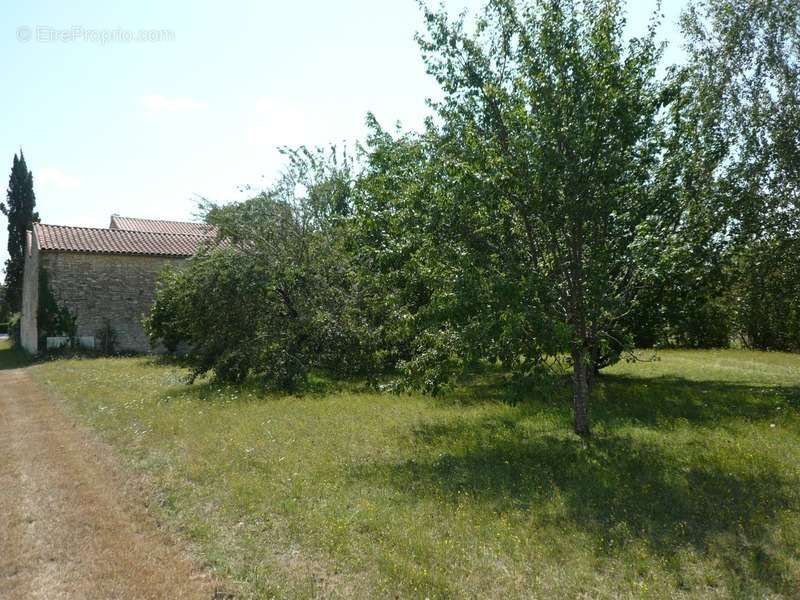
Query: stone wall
<point x="30" y="297"/>
<point x="96" y="287"/>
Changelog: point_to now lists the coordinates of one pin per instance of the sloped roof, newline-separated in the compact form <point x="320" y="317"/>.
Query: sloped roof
<point x="159" y="226"/>
<point x="62" y="238"/>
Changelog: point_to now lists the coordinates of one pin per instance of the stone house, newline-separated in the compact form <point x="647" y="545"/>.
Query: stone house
<point x="104" y="275"/>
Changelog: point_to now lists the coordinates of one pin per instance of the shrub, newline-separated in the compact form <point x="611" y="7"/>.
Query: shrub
<point x="765" y="294"/>
<point x="277" y="298"/>
<point x="106" y="338"/>
<point x="53" y="319"/>
<point x="14" y="330"/>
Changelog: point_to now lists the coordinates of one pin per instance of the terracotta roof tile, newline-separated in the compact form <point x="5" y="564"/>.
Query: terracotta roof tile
<point x="159" y="226"/>
<point x="61" y="238"/>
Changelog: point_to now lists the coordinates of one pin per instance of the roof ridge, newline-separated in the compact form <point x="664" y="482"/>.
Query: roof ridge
<point x="118" y="230"/>
<point x="75" y="238"/>
<point x="158" y="220"/>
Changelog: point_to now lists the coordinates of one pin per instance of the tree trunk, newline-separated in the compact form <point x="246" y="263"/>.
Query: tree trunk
<point x="580" y="399"/>
<point x="582" y="354"/>
<point x="593" y="370"/>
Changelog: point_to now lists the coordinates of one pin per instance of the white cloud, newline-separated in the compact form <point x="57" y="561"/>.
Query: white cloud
<point x="56" y="178"/>
<point x="156" y="103"/>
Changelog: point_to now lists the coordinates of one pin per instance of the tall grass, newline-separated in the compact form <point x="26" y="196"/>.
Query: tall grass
<point x="689" y="488"/>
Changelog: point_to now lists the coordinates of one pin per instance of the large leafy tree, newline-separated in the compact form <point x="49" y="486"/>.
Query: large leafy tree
<point x="742" y="85"/>
<point x="19" y="208"/>
<point x="544" y="190"/>
<point x="683" y="301"/>
<point x="404" y="266"/>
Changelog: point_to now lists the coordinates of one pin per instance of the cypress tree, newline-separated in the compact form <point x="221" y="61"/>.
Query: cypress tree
<point x="19" y="209"/>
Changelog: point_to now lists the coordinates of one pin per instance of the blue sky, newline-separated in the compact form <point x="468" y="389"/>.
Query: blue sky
<point x="142" y="127"/>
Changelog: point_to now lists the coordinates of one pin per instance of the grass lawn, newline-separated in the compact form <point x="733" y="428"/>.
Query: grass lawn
<point x="689" y="488"/>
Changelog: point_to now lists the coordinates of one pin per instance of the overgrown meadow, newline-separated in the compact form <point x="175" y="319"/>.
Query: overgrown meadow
<point x="690" y="486"/>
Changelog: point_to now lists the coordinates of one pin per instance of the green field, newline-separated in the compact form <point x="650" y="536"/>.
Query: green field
<point x="689" y="488"/>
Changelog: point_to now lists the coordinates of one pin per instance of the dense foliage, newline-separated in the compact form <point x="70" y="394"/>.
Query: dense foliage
<point x="19" y="209"/>
<point x="5" y="313"/>
<point x="52" y="318"/>
<point x="746" y="55"/>
<point x="567" y="201"/>
<point x="729" y="274"/>
<point x="276" y="297"/>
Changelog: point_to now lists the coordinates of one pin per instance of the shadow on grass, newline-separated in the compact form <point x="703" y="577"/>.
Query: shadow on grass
<point x="621" y="400"/>
<point x="620" y="488"/>
<point x="208" y="389"/>
<point x="617" y="489"/>
<point x="12" y="357"/>
<point x="664" y="401"/>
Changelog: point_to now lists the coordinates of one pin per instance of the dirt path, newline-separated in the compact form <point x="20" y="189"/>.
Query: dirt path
<point x="68" y="528"/>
